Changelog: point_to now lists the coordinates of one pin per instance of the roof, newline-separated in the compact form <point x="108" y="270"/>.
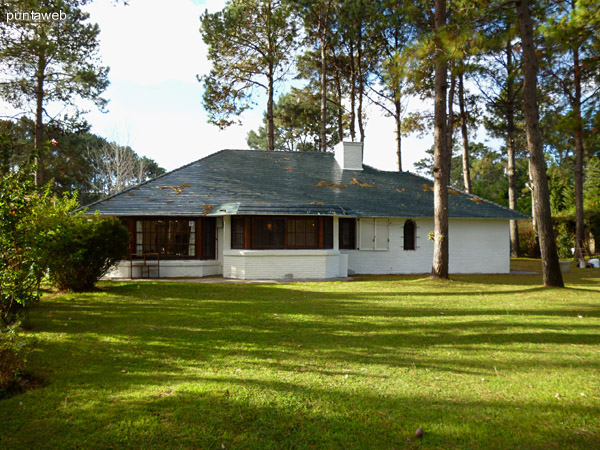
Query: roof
<point x="298" y="183"/>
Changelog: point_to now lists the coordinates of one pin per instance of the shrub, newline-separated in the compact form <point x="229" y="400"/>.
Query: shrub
<point x="20" y="259"/>
<point x="13" y="357"/>
<point x="82" y="249"/>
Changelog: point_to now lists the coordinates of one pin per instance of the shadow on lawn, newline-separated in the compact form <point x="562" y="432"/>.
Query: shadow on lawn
<point x="221" y="413"/>
<point x="280" y="325"/>
<point x="169" y="338"/>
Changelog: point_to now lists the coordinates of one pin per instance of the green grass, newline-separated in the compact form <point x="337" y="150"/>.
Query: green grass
<point x="477" y="362"/>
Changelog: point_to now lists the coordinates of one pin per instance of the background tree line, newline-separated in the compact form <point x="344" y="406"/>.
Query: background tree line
<point x="526" y="71"/>
<point x="47" y="67"/>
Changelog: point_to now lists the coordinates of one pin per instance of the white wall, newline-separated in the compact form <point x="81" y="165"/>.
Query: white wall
<point x="281" y="264"/>
<point x="476" y="246"/>
<point x="174" y="268"/>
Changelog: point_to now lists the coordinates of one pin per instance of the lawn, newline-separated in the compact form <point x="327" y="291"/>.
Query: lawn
<point x="491" y="362"/>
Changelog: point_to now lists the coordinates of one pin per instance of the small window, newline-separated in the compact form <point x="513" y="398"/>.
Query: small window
<point x="409" y="235"/>
<point x="237" y="232"/>
<point x="347" y="233"/>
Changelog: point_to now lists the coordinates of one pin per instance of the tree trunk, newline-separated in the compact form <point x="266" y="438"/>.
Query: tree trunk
<point x="579" y="152"/>
<point x="323" y="39"/>
<point x="270" y="120"/>
<point x="440" y="176"/>
<point x="551" y="269"/>
<point x="39" y="125"/>
<point x="397" y="118"/>
<point x="465" y="135"/>
<point x="361" y="87"/>
<point x="450" y="125"/>
<point x="510" y="149"/>
<point x="352" y="94"/>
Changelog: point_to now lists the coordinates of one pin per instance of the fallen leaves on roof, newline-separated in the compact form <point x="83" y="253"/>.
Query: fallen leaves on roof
<point x="401" y="190"/>
<point x="177" y="189"/>
<point x="288" y="168"/>
<point x="453" y="191"/>
<point x="317" y="203"/>
<point x="331" y="185"/>
<point x="207" y="209"/>
<point x="476" y="200"/>
<point x="427" y="187"/>
<point x="367" y="185"/>
<point x="288" y="159"/>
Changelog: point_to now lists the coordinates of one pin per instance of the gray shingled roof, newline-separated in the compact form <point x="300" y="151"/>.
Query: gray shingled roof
<point x="299" y="183"/>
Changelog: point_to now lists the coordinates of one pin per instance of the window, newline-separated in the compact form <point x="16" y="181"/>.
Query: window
<point x="347" y="233"/>
<point x="268" y="232"/>
<point x="409" y="235"/>
<point x="374" y="234"/>
<point x="175" y="238"/>
<point x="208" y="245"/>
<point x="237" y="232"/>
<point x="281" y="232"/>
<point x="302" y="232"/>
<point x="169" y="237"/>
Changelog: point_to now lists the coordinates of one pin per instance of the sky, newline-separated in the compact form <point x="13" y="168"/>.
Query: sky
<point x="155" y="52"/>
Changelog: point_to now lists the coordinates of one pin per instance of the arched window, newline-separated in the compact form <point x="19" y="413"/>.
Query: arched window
<point x="410" y="236"/>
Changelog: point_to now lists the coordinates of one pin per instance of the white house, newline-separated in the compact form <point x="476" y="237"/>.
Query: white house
<point x="295" y="215"/>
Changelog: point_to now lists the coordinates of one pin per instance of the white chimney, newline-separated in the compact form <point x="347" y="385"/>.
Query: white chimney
<point x="349" y="155"/>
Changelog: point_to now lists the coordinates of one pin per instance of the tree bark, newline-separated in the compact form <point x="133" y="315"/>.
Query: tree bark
<point x="579" y="153"/>
<point x="551" y="269"/>
<point x="39" y="125"/>
<point x="465" y="135"/>
<point x="397" y="118"/>
<point x="270" y="120"/>
<point x="450" y="125"/>
<point x="361" y="86"/>
<point x="323" y="41"/>
<point x="340" y="108"/>
<point x="352" y="93"/>
<point x="510" y="150"/>
<point x="439" y="268"/>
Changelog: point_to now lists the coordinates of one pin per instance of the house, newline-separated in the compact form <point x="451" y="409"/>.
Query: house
<point x="290" y="215"/>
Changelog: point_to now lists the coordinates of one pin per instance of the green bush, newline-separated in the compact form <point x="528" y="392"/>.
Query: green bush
<point x="20" y="260"/>
<point x="82" y="249"/>
<point x="13" y="357"/>
<point x="528" y="243"/>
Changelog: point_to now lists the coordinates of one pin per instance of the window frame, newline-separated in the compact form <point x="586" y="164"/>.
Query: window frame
<point x="247" y="240"/>
<point x="347" y="225"/>
<point x="202" y="242"/>
<point x="410" y="237"/>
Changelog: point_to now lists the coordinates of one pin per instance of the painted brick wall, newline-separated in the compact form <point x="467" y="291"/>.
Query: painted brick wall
<point x="280" y="264"/>
<point x="170" y="269"/>
<point x="476" y="246"/>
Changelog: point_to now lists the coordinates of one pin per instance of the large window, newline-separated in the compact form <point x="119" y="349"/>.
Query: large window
<point x="280" y="232"/>
<point x="347" y="233"/>
<point x="174" y="238"/>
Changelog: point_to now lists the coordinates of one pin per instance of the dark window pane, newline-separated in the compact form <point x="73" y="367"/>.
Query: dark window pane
<point x="209" y="238"/>
<point x="327" y="232"/>
<point x="347" y="232"/>
<point x="237" y="232"/>
<point x="268" y="232"/>
<point x="409" y="235"/>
